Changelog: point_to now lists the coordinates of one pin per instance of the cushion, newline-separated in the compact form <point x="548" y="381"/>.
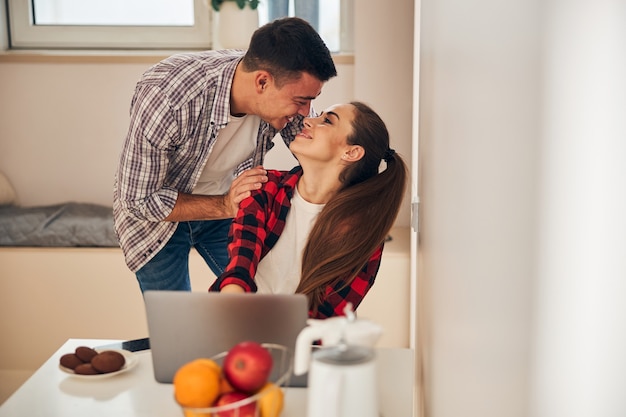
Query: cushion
<point x="59" y="225"/>
<point x="7" y="193"/>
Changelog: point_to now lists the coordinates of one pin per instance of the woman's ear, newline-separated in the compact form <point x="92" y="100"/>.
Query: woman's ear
<point x="354" y="153"/>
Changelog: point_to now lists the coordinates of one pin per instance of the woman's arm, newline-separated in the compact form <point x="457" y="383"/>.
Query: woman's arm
<point x="246" y="240"/>
<point x="232" y="289"/>
<point x="256" y="228"/>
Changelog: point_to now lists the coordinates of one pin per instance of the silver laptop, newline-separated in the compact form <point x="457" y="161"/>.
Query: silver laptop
<point x="183" y="326"/>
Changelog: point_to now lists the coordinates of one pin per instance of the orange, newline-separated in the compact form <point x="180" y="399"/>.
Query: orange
<point x="191" y="413"/>
<point x="197" y="383"/>
<point x="209" y="362"/>
<point x="271" y="400"/>
<point x="225" y="386"/>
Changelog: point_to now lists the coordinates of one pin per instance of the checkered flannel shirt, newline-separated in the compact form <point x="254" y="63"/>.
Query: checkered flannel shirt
<point x="256" y="229"/>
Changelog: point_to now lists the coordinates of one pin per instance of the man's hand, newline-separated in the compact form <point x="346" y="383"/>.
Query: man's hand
<point x="213" y="207"/>
<point x="242" y="187"/>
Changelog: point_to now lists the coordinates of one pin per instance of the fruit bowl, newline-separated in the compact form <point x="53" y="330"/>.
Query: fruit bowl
<point x="265" y="403"/>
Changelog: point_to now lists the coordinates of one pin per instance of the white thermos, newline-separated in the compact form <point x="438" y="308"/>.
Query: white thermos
<point x="342" y="378"/>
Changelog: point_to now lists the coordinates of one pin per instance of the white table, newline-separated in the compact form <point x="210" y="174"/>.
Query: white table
<point x="52" y="393"/>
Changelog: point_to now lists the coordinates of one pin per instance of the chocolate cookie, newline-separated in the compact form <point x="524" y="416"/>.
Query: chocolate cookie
<point x="70" y="360"/>
<point x="108" y="361"/>
<point x="85" y="353"/>
<point x="86" y="369"/>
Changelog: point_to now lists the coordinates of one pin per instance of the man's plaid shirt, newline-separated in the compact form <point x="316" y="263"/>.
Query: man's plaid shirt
<point x="256" y="229"/>
<point x="178" y="108"/>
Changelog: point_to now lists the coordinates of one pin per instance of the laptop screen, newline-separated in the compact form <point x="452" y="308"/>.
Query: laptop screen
<point x="188" y="325"/>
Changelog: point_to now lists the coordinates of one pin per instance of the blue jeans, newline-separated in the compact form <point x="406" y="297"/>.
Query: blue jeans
<point x="304" y="9"/>
<point x="169" y="269"/>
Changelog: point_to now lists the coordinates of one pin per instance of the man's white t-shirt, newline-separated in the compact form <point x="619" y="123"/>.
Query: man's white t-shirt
<point x="279" y="271"/>
<point x="235" y="143"/>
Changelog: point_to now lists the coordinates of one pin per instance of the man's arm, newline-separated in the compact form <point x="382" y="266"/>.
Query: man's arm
<point x="212" y="207"/>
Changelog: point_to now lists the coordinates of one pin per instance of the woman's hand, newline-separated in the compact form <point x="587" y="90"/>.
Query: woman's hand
<point x="232" y="289"/>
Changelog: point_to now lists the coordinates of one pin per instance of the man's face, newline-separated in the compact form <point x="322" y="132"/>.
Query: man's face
<point x="278" y="106"/>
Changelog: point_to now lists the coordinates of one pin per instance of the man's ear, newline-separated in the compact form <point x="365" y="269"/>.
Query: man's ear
<point x="354" y="153"/>
<point x="262" y="80"/>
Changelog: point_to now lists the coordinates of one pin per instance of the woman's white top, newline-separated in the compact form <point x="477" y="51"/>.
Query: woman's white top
<point x="279" y="271"/>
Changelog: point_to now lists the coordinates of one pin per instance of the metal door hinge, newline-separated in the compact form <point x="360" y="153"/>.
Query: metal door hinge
<point x="415" y="224"/>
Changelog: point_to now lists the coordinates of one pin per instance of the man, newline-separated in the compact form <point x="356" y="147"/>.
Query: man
<point x="201" y="124"/>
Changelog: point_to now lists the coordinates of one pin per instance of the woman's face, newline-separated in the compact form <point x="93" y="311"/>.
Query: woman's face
<point x="323" y="138"/>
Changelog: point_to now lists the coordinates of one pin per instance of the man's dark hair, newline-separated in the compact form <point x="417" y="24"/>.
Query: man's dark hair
<point x="287" y="47"/>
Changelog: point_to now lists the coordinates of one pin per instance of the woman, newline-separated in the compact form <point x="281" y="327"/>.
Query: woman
<point x="319" y="229"/>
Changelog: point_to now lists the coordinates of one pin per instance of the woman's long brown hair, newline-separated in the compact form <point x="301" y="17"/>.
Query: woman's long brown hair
<point x="358" y="218"/>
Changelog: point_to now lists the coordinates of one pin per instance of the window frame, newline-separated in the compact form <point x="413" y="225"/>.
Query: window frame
<point x="23" y="34"/>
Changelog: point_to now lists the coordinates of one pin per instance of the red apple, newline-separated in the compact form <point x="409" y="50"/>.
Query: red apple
<point x="247" y="366"/>
<point x="247" y="410"/>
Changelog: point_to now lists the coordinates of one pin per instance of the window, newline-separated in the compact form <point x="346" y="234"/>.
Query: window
<point x="151" y="24"/>
<point x="114" y="24"/>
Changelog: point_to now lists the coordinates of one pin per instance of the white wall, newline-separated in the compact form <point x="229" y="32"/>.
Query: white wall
<point x="479" y="101"/>
<point x="383" y="72"/>
<point x="578" y="366"/>
<point x="522" y="183"/>
<point x="61" y="128"/>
